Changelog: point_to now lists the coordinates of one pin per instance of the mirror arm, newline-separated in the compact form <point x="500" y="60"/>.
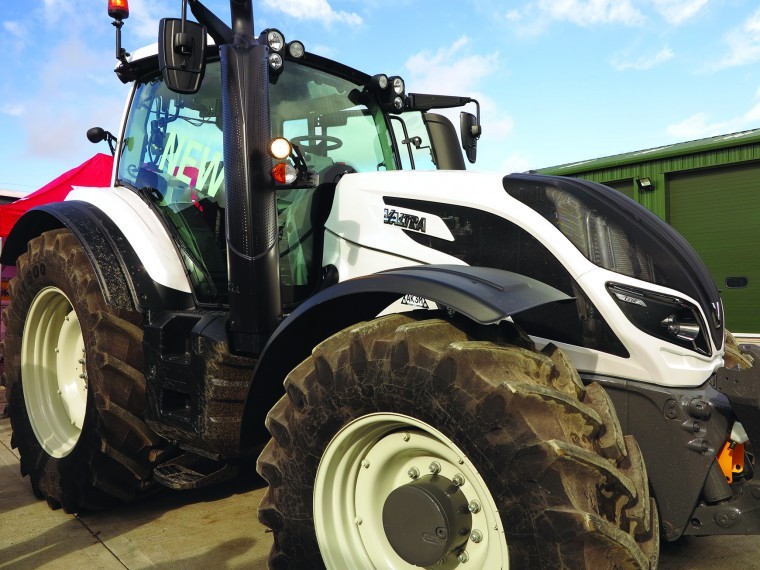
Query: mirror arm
<point x="121" y="53"/>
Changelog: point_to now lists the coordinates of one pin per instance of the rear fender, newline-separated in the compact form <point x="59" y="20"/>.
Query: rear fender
<point x="122" y="276"/>
<point x="483" y="295"/>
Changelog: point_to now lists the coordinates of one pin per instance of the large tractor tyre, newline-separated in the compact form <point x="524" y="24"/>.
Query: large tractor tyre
<point x="409" y="442"/>
<point x="73" y="373"/>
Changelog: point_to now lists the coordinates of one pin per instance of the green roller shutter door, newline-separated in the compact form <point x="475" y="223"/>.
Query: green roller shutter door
<point x="624" y="186"/>
<point x="718" y="212"/>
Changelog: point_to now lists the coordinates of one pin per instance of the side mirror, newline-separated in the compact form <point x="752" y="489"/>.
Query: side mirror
<point x="470" y="131"/>
<point x="98" y="134"/>
<point x="182" y="54"/>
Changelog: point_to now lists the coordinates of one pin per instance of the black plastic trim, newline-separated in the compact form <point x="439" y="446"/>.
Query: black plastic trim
<point x="482" y="294"/>
<point x="679" y="431"/>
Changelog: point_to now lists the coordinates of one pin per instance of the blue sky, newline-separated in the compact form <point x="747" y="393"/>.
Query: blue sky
<point x="559" y="80"/>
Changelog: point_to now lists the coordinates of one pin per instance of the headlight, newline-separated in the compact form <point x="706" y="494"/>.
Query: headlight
<point x="665" y="317"/>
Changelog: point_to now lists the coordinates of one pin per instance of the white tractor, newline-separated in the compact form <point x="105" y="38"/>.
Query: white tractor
<point x="457" y="369"/>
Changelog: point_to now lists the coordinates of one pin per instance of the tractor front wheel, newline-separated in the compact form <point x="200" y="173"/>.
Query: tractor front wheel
<point x="410" y="442"/>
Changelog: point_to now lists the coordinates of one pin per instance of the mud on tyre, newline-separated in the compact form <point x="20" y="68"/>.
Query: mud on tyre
<point x="73" y="374"/>
<point x="412" y="441"/>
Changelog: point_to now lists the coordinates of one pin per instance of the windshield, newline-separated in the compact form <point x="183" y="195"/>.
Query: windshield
<point x="173" y="146"/>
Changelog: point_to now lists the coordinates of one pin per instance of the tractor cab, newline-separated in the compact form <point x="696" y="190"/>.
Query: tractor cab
<point x="326" y="120"/>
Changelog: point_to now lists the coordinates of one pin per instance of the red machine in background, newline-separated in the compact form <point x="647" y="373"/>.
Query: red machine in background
<point x="94" y="172"/>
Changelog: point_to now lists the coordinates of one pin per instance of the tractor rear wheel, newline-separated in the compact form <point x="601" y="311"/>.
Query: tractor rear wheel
<point x="410" y="442"/>
<point x="76" y="393"/>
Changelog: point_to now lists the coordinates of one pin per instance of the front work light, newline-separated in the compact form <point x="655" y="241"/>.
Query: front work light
<point x="380" y="81"/>
<point x="118" y="9"/>
<point x="275" y="61"/>
<point x="398" y="85"/>
<point x="275" y="40"/>
<point x="296" y="49"/>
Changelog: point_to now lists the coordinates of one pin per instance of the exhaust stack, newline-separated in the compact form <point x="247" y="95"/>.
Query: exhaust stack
<point x="252" y="257"/>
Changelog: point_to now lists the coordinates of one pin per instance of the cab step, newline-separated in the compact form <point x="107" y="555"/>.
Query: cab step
<point x="191" y="471"/>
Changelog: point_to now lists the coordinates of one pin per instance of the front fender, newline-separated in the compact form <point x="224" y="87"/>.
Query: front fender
<point x="482" y="294"/>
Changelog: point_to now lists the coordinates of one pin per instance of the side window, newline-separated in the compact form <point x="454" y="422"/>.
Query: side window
<point x="173" y="146"/>
<point x="413" y="141"/>
<point x="175" y="141"/>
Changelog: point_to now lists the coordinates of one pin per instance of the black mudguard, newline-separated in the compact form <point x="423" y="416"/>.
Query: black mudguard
<point x="123" y="279"/>
<point x="482" y="294"/>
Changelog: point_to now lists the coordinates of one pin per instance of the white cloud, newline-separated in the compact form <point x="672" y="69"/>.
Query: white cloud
<point x="699" y="125"/>
<point x="591" y="12"/>
<point x="13" y="109"/>
<point x="696" y="126"/>
<point x="678" y="11"/>
<point x="16" y="35"/>
<point x="455" y="70"/>
<point x="451" y="69"/>
<point x="16" y="29"/>
<point x="744" y="44"/>
<point x="319" y="10"/>
<point x="513" y="15"/>
<point x="58" y="130"/>
<point x="515" y="162"/>
<point x="623" y="63"/>
<point x="79" y="15"/>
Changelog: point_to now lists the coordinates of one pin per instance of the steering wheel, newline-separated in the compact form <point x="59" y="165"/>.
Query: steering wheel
<point x="324" y="142"/>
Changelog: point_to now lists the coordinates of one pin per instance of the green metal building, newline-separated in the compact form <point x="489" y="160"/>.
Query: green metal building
<point x="708" y="190"/>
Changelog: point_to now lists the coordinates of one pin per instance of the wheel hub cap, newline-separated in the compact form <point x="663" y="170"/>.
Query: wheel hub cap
<point x="426" y="519"/>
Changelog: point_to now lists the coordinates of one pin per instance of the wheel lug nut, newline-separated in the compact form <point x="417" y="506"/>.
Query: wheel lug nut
<point x="407" y="437"/>
<point x="458" y="480"/>
<point x="365" y="463"/>
<point x="476" y="536"/>
<point x="435" y="467"/>
<point x="463" y="556"/>
<point x="474" y="507"/>
<point x="413" y="473"/>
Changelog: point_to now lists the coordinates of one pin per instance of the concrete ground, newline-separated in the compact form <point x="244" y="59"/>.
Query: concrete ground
<point x="209" y="528"/>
